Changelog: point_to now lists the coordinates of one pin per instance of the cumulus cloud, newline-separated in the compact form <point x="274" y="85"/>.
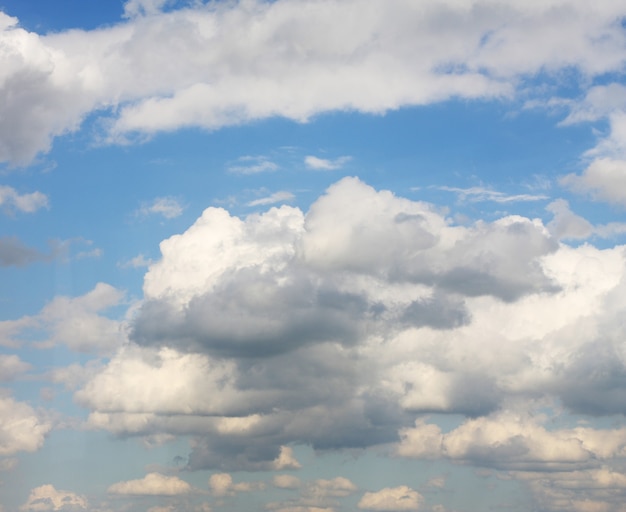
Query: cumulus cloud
<point x="232" y="63"/>
<point x="221" y="484"/>
<point x="153" y="484"/>
<point x="391" y="499"/>
<point x="338" y="326"/>
<point x="324" y="164"/>
<point x="510" y="440"/>
<point x="603" y="180"/>
<point x="21" y="427"/>
<point x="48" y="499"/>
<point x="11" y="200"/>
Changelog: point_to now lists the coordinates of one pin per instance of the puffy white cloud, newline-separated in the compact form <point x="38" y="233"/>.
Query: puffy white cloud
<point x="11" y="199"/>
<point x="21" y="427"/>
<point x="391" y="499"/>
<point x="168" y="207"/>
<point x="338" y="487"/>
<point x="513" y="441"/>
<point x="286" y="459"/>
<point x="221" y="484"/>
<point x="604" y="180"/>
<point x="47" y="499"/>
<point x="336" y="327"/>
<point x="218" y="64"/>
<point x="153" y="484"/>
<point x="566" y="224"/>
<point x="76" y="322"/>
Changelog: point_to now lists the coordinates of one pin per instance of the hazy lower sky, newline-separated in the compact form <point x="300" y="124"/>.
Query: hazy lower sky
<point x="312" y="255"/>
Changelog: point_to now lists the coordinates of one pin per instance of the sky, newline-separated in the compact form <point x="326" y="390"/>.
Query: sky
<point x="312" y="255"/>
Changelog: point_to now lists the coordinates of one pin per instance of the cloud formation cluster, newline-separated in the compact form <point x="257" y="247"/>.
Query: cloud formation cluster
<point x="223" y="63"/>
<point x="345" y="325"/>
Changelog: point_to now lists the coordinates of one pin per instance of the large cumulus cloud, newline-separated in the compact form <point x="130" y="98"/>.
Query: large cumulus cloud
<point x="340" y="326"/>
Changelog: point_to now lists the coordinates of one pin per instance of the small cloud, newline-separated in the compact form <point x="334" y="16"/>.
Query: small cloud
<point x="139" y="261"/>
<point x="323" y="164"/>
<point x="286" y="482"/>
<point x="480" y="194"/>
<point x="168" y="207"/>
<point x="94" y="253"/>
<point x="12" y="201"/>
<point x="286" y="459"/>
<point x="252" y="165"/>
<point x="46" y="497"/>
<point x="153" y="484"/>
<point x="221" y="484"/>
<point x="276" y="197"/>
<point x="391" y="499"/>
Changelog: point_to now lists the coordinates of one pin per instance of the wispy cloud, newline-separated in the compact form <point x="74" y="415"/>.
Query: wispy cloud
<point x="480" y="194"/>
<point x="168" y="207"/>
<point x="325" y="164"/>
<point x="138" y="261"/>
<point x="252" y="165"/>
<point x="276" y="197"/>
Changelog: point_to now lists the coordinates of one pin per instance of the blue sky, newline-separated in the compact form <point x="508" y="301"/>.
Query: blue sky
<point x="312" y="256"/>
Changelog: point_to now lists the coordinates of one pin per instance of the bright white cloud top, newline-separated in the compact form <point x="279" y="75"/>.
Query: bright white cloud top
<point x="313" y="255"/>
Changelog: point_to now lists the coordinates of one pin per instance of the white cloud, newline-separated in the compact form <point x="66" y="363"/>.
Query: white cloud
<point x="286" y="459"/>
<point x="153" y="484"/>
<point x="313" y="162"/>
<point x="600" y="101"/>
<point x="221" y="484"/>
<point x="477" y="194"/>
<point x="76" y="322"/>
<point x="591" y="490"/>
<point x="237" y="62"/>
<point x="167" y="207"/>
<point x="277" y="197"/>
<point x="253" y="165"/>
<point x="604" y="180"/>
<point x="286" y="482"/>
<point x="11" y="366"/>
<point x="11" y="200"/>
<point x="391" y="499"/>
<point x="139" y="261"/>
<point x="566" y="224"/>
<point x="336" y="327"/>
<point x="21" y="428"/>
<point x="48" y="499"/>
<point x="514" y="441"/>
